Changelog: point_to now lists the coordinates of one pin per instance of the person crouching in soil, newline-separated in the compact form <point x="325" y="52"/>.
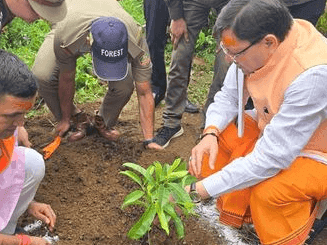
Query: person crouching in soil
<point x="21" y="168"/>
<point x="268" y="166"/>
<point x="119" y="56"/>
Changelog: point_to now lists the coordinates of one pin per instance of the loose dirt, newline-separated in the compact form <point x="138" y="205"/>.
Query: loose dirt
<point x="83" y="185"/>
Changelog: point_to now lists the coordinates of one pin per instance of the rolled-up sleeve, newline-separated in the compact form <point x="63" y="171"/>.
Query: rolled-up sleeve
<point x="141" y="65"/>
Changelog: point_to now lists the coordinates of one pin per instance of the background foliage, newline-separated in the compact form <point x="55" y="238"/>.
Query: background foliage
<point x="25" y="39"/>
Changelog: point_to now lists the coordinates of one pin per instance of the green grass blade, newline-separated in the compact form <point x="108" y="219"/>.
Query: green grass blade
<point x="143" y="225"/>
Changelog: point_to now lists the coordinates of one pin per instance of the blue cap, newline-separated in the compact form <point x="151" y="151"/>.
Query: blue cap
<point x="109" y="48"/>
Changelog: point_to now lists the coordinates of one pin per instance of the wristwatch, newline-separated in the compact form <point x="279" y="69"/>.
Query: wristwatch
<point x="194" y="195"/>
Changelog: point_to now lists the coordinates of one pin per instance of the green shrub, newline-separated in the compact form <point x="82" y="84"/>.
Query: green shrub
<point x="24" y="39"/>
<point x="87" y="85"/>
<point x="135" y="9"/>
<point x="322" y="24"/>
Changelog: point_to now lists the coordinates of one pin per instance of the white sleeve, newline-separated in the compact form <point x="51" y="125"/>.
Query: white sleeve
<point x="302" y="111"/>
<point x="224" y="108"/>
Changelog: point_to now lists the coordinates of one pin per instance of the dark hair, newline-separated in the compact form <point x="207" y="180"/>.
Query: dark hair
<point x="252" y="20"/>
<point x="15" y="77"/>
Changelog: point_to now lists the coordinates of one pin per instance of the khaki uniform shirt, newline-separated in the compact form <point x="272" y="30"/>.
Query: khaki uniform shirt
<point x="72" y="35"/>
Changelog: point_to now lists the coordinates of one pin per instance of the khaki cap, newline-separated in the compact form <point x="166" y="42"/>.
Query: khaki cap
<point x="51" y="10"/>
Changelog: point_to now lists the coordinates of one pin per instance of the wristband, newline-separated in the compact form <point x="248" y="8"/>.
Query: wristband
<point x="24" y="239"/>
<point x="211" y="129"/>
<point x="213" y="134"/>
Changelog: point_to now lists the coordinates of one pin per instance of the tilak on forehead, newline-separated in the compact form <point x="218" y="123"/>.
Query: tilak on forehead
<point x="23" y="105"/>
<point x="229" y="41"/>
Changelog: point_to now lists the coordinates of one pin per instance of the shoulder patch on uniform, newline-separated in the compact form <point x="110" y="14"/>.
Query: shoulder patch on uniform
<point x="145" y="59"/>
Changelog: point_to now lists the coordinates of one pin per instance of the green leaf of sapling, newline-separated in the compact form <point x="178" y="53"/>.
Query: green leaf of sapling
<point x="163" y="195"/>
<point x="143" y="225"/>
<point x="135" y="167"/>
<point x="174" y="165"/>
<point x="188" y="179"/>
<point x="177" y="175"/>
<point x="132" y="197"/>
<point x="148" y="175"/>
<point x="133" y="176"/>
<point x="169" y="209"/>
<point x="179" y="193"/>
<point x="162" y="218"/>
<point x="165" y="170"/>
<point x="181" y="166"/>
<point x="158" y="168"/>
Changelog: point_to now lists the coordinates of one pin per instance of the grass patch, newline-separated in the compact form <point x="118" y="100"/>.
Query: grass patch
<point x="24" y="39"/>
<point x="322" y="24"/>
<point x="201" y="80"/>
<point x="135" y="9"/>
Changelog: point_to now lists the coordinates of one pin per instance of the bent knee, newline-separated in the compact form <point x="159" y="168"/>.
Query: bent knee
<point x="267" y="193"/>
<point x="34" y="166"/>
<point x="123" y="89"/>
<point x="42" y="74"/>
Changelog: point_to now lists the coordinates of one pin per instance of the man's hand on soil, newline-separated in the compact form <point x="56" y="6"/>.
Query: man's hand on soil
<point x="62" y="128"/>
<point x="43" y="212"/>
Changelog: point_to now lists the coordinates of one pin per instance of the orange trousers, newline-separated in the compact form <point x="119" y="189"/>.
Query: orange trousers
<point x="282" y="208"/>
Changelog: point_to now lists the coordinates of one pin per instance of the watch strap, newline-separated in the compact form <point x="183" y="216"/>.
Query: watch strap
<point x="195" y="196"/>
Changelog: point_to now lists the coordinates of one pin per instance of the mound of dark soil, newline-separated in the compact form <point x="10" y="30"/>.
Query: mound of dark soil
<point x="84" y="187"/>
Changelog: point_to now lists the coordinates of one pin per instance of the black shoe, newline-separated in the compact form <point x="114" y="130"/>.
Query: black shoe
<point x="165" y="135"/>
<point x="191" y="108"/>
<point x="158" y="97"/>
<point x="317" y="227"/>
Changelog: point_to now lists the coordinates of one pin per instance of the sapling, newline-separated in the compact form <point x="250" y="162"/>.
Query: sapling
<point x="161" y="191"/>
